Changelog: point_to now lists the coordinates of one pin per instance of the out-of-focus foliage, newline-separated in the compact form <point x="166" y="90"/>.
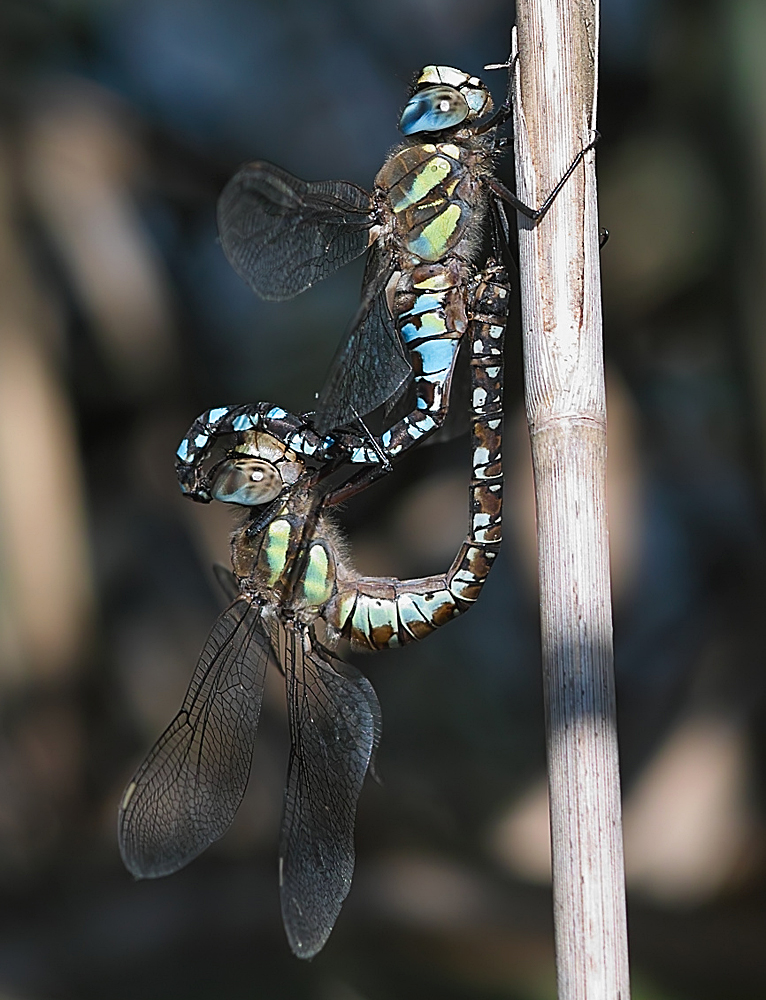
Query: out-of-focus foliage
<point x="120" y="321"/>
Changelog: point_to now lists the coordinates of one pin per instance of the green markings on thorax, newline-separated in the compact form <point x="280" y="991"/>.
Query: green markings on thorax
<point x="275" y="549"/>
<point x="421" y="184"/>
<point x="316" y="584"/>
<point x="279" y="550"/>
<point x="433" y="240"/>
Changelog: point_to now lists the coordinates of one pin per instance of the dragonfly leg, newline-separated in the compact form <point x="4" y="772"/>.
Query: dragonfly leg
<point x="383" y="459"/>
<point x="358" y="482"/>
<point x="504" y="112"/>
<point x="501" y="235"/>
<point x="535" y="214"/>
<point x="365" y="476"/>
<point x="412" y="428"/>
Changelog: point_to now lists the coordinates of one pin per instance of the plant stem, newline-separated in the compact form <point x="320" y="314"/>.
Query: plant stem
<point x="555" y="94"/>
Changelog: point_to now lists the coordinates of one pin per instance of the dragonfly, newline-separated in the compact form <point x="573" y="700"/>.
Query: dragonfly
<point x="422" y="227"/>
<point x="296" y="599"/>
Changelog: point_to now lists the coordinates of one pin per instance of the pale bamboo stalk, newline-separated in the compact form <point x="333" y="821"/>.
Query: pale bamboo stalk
<point x="555" y="109"/>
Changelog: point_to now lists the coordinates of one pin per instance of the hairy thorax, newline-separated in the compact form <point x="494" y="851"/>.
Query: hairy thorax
<point x="434" y="197"/>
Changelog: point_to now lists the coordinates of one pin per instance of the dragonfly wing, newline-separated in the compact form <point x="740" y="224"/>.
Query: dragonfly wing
<point x="371" y="367"/>
<point x="185" y="794"/>
<point x="282" y="234"/>
<point x="334" y="727"/>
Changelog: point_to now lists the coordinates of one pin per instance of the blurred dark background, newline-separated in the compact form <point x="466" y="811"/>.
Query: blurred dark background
<point x="120" y="321"/>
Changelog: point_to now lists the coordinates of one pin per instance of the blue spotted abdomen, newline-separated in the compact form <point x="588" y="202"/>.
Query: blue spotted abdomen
<point x="430" y="313"/>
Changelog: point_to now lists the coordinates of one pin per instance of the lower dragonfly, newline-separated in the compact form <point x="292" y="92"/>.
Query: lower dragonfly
<point x="296" y="596"/>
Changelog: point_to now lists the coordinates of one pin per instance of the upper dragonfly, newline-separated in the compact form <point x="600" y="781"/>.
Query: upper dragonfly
<point x="423" y="225"/>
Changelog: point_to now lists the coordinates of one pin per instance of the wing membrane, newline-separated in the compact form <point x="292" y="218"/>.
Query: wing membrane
<point x="334" y="727"/>
<point x="371" y="367"/>
<point x="282" y="234"/>
<point x="185" y="794"/>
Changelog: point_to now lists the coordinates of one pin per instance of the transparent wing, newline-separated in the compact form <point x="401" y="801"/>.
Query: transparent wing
<point x="185" y="794"/>
<point x="334" y="727"/>
<point x="371" y="367"/>
<point x="282" y="234"/>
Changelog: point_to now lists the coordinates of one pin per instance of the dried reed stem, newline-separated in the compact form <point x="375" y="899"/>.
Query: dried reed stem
<point x="555" y="98"/>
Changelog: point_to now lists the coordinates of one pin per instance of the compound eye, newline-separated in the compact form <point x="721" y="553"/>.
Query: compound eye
<point x="433" y="109"/>
<point x="246" y="481"/>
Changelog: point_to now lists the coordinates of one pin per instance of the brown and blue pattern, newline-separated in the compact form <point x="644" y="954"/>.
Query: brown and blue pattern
<point x="430" y="305"/>
<point x="375" y="613"/>
<point x="423" y="227"/>
<point x="295" y="596"/>
<point x="290" y="434"/>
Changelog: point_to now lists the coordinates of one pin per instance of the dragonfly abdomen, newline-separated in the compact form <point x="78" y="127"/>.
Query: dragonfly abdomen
<point x="430" y="312"/>
<point x="375" y="613"/>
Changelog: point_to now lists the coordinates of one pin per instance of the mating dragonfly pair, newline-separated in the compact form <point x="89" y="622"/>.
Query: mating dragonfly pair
<point x="294" y="594"/>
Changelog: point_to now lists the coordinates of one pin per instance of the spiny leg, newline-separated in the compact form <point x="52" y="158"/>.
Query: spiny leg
<point x="535" y="214"/>
<point x="504" y="112"/>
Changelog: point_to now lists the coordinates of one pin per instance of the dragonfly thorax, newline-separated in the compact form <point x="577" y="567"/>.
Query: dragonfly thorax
<point x="286" y="564"/>
<point x="433" y="192"/>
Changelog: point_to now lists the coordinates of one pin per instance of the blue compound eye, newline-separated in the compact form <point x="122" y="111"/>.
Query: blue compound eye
<point x="433" y="109"/>
<point x="246" y="481"/>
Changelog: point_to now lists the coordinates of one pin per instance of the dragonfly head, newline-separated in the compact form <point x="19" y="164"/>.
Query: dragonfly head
<point x="257" y="472"/>
<point x="442" y="98"/>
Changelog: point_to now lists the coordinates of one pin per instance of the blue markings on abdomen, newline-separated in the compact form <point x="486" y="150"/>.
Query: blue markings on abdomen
<point x="436" y="355"/>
